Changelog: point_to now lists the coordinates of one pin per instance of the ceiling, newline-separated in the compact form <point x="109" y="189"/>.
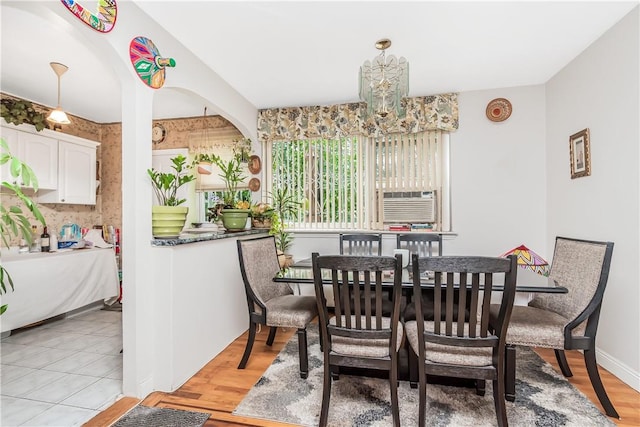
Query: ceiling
<point x="296" y="53"/>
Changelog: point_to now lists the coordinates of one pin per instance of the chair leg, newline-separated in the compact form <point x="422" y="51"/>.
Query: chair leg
<point x="413" y="367"/>
<point x="247" y="349"/>
<point x="422" y="397"/>
<point x="393" y="384"/>
<point x="596" y="383"/>
<point x="510" y="373"/>
<point x="499" y="401"/>
<point x="302" y="352"/>
<point x="562" y="361"/>
<point x="272" y="335"/>
<point x="326" y="394"/>
<point x="481" y="387"/>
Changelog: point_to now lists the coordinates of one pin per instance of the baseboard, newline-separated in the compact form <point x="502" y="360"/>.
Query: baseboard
<point x="619" y="369"/>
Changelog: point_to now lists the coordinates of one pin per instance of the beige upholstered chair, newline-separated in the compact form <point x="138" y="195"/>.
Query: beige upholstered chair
<point x="368" y="340"/>
<point x="566" y="321"/>
<point x="270" y="303"/>
<point x="456" y="345"/>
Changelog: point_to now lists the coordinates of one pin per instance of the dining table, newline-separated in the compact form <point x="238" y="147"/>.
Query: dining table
<point x="301" y="272"/>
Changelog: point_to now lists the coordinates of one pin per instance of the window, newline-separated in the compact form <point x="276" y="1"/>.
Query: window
<point x="342" y="182"/>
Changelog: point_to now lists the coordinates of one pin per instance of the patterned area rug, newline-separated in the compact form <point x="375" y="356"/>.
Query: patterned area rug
<point x="543" y="397"/>
<point x="146" y="416"/>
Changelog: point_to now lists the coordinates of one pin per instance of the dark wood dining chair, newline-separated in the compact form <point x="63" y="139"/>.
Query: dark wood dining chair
<point x="423" y="244"/>
<point x="453" y="344"/>
<point x="272" y="304"/>
<point x="361" y="244"/>
<point x="566" y="321"/>
<point x="368" y="340"/>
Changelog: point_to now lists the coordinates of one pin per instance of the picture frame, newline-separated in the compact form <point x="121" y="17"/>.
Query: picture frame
<point x="580" y="154"/>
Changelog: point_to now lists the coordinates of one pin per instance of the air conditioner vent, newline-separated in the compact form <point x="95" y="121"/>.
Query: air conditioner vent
<point x="415" y="207"/>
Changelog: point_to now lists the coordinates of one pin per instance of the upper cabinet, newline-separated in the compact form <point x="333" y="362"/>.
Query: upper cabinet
<point x="76" y="174"/>
<point x="65" y="165"/>
<point x="39" y="152"/>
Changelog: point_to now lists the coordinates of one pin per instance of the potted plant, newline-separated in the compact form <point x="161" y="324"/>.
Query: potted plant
<point x="285" y="206"/>
<point x="235" y="212"/>
<point x="169" y="217"/>
<point x="203" y="162"/>
<point x="14" y="222"/>
<point x="242" y="149"/>
<point x="19" y="111"/>
<point x="262" y="215"/>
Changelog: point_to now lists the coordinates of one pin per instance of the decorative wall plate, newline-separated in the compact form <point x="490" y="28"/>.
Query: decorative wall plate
<point x="254" y="184"/>
<point x="103" y="20"/>
<point x="255" y="164"/>
<point x="147" y="62"/>
<point x="498" y="110"/>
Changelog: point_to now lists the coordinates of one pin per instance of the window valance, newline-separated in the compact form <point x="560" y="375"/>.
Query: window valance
<point x="436" y="112"/>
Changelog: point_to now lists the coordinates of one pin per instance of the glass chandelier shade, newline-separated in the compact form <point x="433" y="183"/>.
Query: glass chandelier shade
<point x="384" y="82"/>
<point x="58" y="116"/>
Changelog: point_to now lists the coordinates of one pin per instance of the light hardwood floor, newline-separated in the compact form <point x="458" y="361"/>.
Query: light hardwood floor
<point x="219" y="387"/>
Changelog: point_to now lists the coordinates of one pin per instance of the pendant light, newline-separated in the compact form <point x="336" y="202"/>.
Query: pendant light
<point x="58" y="116"/>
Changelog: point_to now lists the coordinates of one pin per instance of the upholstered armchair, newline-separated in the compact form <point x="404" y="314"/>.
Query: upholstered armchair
<point x="270" y="303"/>
<point x="565" y="321"/>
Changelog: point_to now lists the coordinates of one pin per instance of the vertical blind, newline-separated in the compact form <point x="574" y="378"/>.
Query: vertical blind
<point x="340" y="181"/>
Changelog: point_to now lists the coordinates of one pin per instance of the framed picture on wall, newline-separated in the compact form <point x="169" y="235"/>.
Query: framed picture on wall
<point x="580" y="154"/>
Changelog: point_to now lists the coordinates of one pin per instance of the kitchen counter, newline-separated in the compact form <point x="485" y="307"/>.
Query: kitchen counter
<point x="186" y="238"/>
<point x="48" y="284"/>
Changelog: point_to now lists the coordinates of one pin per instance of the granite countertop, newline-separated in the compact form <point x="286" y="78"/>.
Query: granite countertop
<point x="186" y="238"/>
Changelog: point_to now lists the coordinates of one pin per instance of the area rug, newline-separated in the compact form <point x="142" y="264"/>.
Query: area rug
<point x="543" y="397"/>
<point x="146" y="416"/>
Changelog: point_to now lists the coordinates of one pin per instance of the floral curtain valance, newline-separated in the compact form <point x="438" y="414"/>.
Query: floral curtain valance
<point x="437" y="112"/>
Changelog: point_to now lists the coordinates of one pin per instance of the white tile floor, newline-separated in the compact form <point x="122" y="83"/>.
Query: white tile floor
<point x="61" y="373"/>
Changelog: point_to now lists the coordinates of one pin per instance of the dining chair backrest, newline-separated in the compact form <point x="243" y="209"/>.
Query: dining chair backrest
<point x="361" y="244"/>
<point x="357" y="284"/>
<point x="258" y="264"/>
<point x="582" y="267"/>
<point x="472" y="279"/>
<point x="423" y="244"/>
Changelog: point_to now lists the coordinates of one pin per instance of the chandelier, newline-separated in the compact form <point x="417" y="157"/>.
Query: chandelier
<point x="384" y="82"/>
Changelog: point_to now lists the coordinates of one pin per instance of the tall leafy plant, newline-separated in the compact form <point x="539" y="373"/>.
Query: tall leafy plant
<point x="166" y="184"/>
<point x="14" y="222"/>
<point x="286" y="206"/>
<point x="233" y="176"/>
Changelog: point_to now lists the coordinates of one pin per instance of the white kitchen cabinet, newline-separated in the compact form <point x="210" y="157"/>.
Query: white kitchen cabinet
<point x="76" y="174"/>
<point x="38" y="151"/>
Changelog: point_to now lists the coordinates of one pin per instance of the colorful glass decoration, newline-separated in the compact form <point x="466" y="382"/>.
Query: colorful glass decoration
<point x="102" y="20"/>
<point x="148" y="63"/>
<point x="529" y="259"/>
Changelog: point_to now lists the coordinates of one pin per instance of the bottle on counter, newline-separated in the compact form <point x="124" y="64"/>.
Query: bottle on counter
<point x="23" y="247"/>
<point x="45" y="241"/>
<point x="53" y="241"/>
<point x="35" y="240"/>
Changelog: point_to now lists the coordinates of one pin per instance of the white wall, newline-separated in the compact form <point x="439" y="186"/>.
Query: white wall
<point x="498" y="174"/>
<point x="599" y="90"/>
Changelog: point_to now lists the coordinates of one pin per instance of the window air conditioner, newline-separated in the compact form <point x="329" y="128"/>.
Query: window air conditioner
<point x="409" y="207"/>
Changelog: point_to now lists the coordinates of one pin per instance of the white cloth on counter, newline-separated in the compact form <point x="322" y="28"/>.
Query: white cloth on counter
<point x="51" y="283"/>
<point x="95" y="236"/>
